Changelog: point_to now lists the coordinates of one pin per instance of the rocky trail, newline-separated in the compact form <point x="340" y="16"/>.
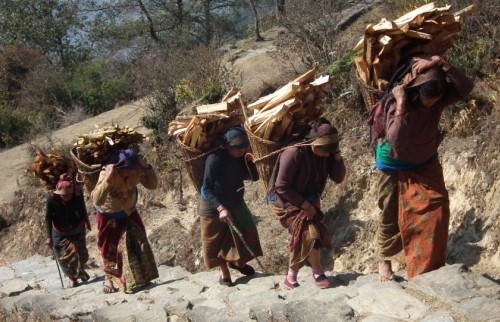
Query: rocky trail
<point x="31" y="291"/>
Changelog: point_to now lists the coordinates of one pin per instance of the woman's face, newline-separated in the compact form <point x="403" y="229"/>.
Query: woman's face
<point x="318" y="151"/>
<point x="236" y="152"/>
<point x="66" y="197"/>
<point x="428" y="102"/>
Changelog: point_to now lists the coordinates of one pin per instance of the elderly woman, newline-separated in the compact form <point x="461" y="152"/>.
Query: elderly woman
<point x="222" y="208"/>
<point x="295" y="187"/>
<point x="125" y="251"/>
<point x="413" y="198"/>
<point x="65" y="221"/>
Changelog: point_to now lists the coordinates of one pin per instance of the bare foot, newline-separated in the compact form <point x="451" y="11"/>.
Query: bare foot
<point x="108" y="287"/>
<point x="385" y="272"/>
<point x="73" y="282"/>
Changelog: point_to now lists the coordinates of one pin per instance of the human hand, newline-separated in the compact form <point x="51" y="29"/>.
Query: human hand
<point x="309" y="210"/>
<point x="143" y="163"/>
<point x="225" y="216"/>
<point x="49" y="242"/>
<point x="249" y="157"/>
<point x="421" y="64"/>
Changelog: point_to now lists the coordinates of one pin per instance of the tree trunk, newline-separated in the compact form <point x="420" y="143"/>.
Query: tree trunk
<point x="152" y="31"/>
<point x="280" y="10"/>
<point x="208" y="21"/>
<point x="255" y="15"/>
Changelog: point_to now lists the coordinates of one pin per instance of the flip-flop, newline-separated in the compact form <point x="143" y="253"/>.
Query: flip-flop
<point x="225" y="281"/>
<point x="321" y="281"/>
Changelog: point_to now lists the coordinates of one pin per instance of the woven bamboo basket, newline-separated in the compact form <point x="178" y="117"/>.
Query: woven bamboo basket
<point x="370" y="94"/>
<point x="262" y="148"/>
<point x="195" y="164"/>
<point x="88" y="174"/>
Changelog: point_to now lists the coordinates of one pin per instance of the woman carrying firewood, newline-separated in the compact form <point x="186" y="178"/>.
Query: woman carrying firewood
<point x="224" y="214"/>
<point x="125" y="251"/>
<point x="65" y="222"/>
<point x="412" y="195"/>
<point x="298" y="180"/>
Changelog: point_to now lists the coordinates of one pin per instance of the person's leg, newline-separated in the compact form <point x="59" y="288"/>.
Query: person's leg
<point x="388" y="234"/>
<point x="291" y="276"/>
<point x="317" y="270"/>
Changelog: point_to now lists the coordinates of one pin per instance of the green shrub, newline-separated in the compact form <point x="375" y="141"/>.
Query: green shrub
<point x="14" y="127"/>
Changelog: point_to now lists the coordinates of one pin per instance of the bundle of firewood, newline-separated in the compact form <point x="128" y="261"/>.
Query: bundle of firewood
<point x="48" y="167"/>
<point x="199" y="131"/>
<point x="424" y="31"/>
<point x="299" y="101"/>
<point x="95" y="148"/>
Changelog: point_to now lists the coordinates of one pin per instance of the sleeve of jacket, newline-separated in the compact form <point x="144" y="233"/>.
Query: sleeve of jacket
<point x="210" y="176"/>
<point x="459" y="87"/>
<point x="101" y="190"/>
<point x="336" y="169"/>
<point x="148" y="178"/>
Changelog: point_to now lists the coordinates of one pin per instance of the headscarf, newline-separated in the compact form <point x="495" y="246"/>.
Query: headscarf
<point x="236" y="137"/>
<point x="431" y="81"/>
<point x="124" y="159"/>
<point x="324" y="135"/>
<point x="65" y="185"/>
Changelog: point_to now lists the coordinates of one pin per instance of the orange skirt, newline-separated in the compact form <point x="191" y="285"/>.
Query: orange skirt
<point x="415" y="217"/>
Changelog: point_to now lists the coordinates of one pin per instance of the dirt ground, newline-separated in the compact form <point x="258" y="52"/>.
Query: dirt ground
<point x="471" y="171"/>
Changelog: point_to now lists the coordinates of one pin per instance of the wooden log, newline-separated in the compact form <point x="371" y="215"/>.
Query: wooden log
<point x="307" y="77"/>
<point x="363" y="70"/>
<point x="321" y="80"/>
<point x="282" y="95"/>
<point x="212" y="108"/>
<point x="233" y="91"/>
<point x="465" y="11"/>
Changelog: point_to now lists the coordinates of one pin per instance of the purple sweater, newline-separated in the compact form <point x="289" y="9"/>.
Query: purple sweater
<point x="301" y="175"/>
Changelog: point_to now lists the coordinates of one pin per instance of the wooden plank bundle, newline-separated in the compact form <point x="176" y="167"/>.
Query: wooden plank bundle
<point x="48" y="167"/>
<point x="96" y="147"/>
<point x="199" y="131"/>
<point x="299" y="101"/>
<point x="426" y="30"/>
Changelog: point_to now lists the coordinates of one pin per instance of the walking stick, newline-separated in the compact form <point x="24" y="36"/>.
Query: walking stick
<point x="247" y="247"/>
<point x="58" y="269"/>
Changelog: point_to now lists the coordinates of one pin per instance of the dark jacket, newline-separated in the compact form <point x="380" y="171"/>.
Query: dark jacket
<point x="65" y="216"/>
<point x="223" y="178"/>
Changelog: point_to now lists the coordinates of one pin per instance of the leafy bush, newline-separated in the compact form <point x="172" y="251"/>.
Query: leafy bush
<point x="97" y="89"/>
<point x="14" y="127"/>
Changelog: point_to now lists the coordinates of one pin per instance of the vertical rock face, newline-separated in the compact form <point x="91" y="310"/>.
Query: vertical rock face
<point x="31" y="290"/>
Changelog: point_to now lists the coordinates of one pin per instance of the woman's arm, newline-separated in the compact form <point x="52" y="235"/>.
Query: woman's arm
<point x="101" y="190"/>
<point x="148" y="177"/>
<point x="49" y="210"/>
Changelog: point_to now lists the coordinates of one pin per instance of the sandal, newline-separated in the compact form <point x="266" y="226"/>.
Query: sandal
<point x="321" y="281"/>
<point x="245" y="270"/>
<point x="289" y="285"/>
<point x="225" y="281"/>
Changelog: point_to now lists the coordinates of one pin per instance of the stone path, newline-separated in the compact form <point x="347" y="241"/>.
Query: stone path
<point x="31" y="290"/>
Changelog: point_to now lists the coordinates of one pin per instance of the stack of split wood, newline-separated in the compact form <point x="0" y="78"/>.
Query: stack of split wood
<point x="199" y="131"/>
<point x="95" y="148"/>
<point x="299" y="101"/>
<point x="48" y="167"/>
<point x="424" y="31"/>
